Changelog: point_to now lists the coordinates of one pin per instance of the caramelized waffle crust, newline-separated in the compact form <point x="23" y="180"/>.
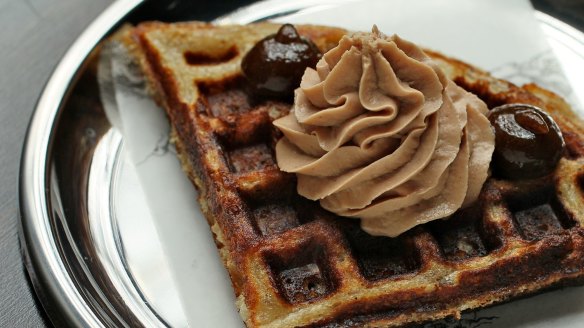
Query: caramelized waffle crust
<point x="293" y="264"/>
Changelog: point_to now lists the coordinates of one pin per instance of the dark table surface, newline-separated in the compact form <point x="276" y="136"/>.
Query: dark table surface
<point x="34" y="34"/>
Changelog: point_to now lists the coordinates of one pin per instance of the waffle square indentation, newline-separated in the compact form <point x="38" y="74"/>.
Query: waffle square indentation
<point x="201" y="58"/>
<point x="227" y="102"/>
<point x="301" y="275"/>
<point x="462" y="236"/>
<point x="538" y="221"/>
<point x="538" y="214"/>
<point x="274" y="218"/>
<point x="381" y="257"/>
<point x="251" y="158"/>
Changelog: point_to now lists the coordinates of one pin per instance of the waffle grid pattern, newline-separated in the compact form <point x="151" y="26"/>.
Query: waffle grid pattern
<point x="299" y="242"/>
<point x="294" y="264"/>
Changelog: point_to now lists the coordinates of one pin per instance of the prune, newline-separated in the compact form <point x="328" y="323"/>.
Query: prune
<point x="275" y="65"/>
<point x="528" y="143"/>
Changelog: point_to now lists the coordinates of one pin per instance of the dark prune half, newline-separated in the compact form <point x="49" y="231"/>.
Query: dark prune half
<point x="275" y="65"/>
<point x="528" y="143"/>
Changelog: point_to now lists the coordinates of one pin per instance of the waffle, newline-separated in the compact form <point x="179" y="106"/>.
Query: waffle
<point x="293" y="264"/>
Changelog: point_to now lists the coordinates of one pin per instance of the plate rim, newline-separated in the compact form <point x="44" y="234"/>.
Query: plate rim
<point x="55" y="288"/>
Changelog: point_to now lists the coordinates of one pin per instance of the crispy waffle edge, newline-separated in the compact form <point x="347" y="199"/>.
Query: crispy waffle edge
<point x="517" y="263"/>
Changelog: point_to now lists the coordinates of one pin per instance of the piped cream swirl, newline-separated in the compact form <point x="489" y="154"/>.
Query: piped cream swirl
<point x="379" y="133"/>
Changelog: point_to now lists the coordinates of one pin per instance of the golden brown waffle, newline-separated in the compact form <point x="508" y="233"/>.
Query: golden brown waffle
<point x="292" y="264"/>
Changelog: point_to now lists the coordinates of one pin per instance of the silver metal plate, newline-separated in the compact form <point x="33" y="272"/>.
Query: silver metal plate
<point x="80" y="216"/>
